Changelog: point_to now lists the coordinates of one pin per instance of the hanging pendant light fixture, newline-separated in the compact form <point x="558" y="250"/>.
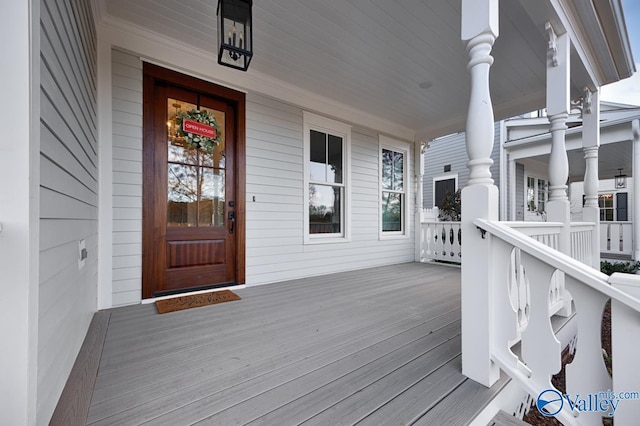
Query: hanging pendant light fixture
<point x="621" y="180"/>
<point x="235" y="33"/>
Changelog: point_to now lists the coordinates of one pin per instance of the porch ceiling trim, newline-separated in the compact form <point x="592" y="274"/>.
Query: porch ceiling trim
<point x="546" y="137"/>
<point x="599" y="37"/>
<point x="169" y="52"/>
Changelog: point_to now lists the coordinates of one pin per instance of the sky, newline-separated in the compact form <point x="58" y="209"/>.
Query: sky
<point x="628" y="91"/>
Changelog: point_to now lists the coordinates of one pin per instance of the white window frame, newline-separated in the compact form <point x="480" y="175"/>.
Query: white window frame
<point x="613" y="202"/>
<point x="326" y="125"/>
<point x="536" y="193"/>
<point x="448" y="176"/>
<point x="388" y="143"/>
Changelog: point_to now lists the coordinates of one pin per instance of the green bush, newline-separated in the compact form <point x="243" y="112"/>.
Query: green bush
<point x="624" y="267"/>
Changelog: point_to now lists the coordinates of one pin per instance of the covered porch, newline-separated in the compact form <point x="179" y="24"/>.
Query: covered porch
<point x="375" y="346"/>
<point x="412" y="341"/>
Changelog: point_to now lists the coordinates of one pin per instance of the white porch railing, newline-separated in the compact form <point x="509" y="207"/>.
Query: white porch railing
<point x="582" y="242"/>
<point x="529" y="321"/>
<point x="616" y="238"/>
<point x="440" y="241"/>
<point x="548" y="233"/>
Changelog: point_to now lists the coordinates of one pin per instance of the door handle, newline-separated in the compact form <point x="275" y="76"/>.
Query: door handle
<point x="232" y="221"/>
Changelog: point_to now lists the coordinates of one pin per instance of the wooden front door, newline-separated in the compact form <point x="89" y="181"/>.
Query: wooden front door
<point x="193" y="180"/>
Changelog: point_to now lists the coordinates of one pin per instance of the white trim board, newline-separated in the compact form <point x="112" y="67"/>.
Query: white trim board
<point x="191" y="293"/>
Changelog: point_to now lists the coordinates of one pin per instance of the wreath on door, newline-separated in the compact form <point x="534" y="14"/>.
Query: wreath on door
<point x="207" y="144"/>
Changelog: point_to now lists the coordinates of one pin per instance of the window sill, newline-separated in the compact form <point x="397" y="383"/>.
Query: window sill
<point x="390" y="236"/>
<point x="326" y="240"/>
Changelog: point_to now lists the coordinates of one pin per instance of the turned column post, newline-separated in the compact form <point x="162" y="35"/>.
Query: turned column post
<point x="635" y="170"/>
<point x="591" y="145"/>
<point x="480" y="196"/>
<point x="558" y="107"/>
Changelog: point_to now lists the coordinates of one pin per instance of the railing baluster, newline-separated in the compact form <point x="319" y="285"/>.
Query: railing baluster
<point x="587" y="373"/>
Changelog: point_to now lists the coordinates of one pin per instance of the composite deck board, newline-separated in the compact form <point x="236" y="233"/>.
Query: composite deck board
<point x="209" y="347"/>
<point x="474" y="395"/>
<point x="360" y="392"/>
<point x="218" y="329"/>
<point x="376" y="346"/>
<point x="208" y="377"/>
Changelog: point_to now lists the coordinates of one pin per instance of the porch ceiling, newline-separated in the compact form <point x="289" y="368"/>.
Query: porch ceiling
<point x="374" y="55"/>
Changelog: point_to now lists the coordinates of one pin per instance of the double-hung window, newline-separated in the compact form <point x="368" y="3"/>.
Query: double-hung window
<point x="326" y="173"/>
<point x="536" y="194"/>
<point x="605" y="202"/>
<point x="394" y="187"/>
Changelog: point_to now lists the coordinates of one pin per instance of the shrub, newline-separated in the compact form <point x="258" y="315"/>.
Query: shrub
<point x="624" y="267"/>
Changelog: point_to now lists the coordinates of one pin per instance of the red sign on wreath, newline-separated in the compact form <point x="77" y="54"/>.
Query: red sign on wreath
<point x="190" y="126"/>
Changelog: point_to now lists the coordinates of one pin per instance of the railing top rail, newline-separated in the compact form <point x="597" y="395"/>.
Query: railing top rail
<point x="582" y="226"/>
<point x="537" y="225"/>
<point x="444" y="222"/>
<point x="616" y="222"/>
<point x="578" y="224"/>
<point x="535" y="228"/>
<point x="570" y="266"/>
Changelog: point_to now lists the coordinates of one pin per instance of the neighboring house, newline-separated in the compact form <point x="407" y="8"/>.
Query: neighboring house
<point x="521" y="168"/>
<point x="313" y="168"/>
<point x="525" y="161"/>
<point x="445" y="166"/>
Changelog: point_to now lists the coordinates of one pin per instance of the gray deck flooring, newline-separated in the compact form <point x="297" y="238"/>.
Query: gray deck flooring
<point x="378" y="346"/>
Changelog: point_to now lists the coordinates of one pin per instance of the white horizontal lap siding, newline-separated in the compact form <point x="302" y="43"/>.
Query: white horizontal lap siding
<point x="275" y="249"/>
<point x="452" y="150"/>
<point x="126" y="72"/>
<point x="68" y="193"/>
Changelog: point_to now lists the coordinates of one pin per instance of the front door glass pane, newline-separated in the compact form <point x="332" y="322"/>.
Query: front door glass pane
<point x="182" y="195"/>
<point x="195" y="168"/>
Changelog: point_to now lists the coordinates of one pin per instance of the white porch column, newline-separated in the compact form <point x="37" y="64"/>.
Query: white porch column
<point x="591" y="144"/>
<point x="635" y="170"/>
<point x="558" y="107"/>
<point x="480" y="196"/>
<point x="19" y="214"/>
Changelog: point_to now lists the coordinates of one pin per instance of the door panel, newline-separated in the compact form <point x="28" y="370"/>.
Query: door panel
<point x="190" y="230"/>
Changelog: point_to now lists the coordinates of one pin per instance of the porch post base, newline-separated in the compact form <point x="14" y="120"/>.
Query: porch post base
<point x="476" y="282"/>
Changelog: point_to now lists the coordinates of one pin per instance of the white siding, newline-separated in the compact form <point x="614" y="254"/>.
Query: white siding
<point x="275" y="249"/>
<point x="127" y="178"/>
<point x="68" y="192"/>
<point x="451" y="150"/>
